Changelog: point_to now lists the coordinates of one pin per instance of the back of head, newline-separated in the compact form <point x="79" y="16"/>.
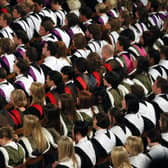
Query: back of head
<point x="20" y="9"/>
<point x="65" y="148"/>
<point x="72" y="19"/>
<point x="52" y="48"/>
<point x="18" y="98"/>
<point x="6" y="46"/>
<point x="115" y="24"/>
<point x="22" y="65"/>
<point x="119" y="157"/>
<point x="7" y="17"/>
<point x="124" y="42"/>
<point x="154" y="5"/>
<point x="3" y="73"/>
<point x="40" y="2"/>
<point x="28" y="4"/>
<point x="6" y="132"/>
<point x="103" y="120"/>
<point x="74" y="4"/>
<point x="56" y="77"/>
<point x="142" y="64"/>
<point x="162" y="84"/>
<point x="116" y="116"/>
<point x="37" y="92"/>
<point x="101" y="8"/>
<point x="32" y="54"/>
<point x="95" y="30"/>
<point x="132" y="103"/>
<point x="81" y="64"/>
<point x="79" y="41"/>
<point x="111" y="3"/>
<point x="60" y="2"/>
<point x="153" y="135"/>
<point x="94" y="62"/>
<point x="86" y="11"/>
<point x="108" y="49"/>
<point x="21" y="34"/>
<point x="113" y="79"/>
<point x="68" y="70"/>
<point x="134" y="145"/>
<point x="138" y="91"/>
<point x="86" y="99"/>
<point x="154" y="55"/>
<point x="47" y="23"/>
<point x="30" y="123"/>
<point x="81" y="127"/>
<point x="61" y="50"/>
<point x="67" y="104"/>
<point x="128" y="33"/>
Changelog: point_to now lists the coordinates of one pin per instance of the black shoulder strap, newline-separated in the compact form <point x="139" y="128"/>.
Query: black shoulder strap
<point x="118" y="141"/>
<point x="85" y="160"/>
<point x="132" y="127"/>
<point x="108" y="134"/>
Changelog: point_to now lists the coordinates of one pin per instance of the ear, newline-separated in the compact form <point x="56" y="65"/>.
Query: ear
<point x="159" y="90"/>
<point x="148" y="140"/>
<point x="59" y="104"/>
<point x="78" y="101"/>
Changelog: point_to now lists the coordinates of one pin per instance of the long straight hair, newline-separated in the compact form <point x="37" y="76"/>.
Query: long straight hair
<point x="33" y="129"/>
<point x="38" y="93"/>
<point x="66" y="150"/>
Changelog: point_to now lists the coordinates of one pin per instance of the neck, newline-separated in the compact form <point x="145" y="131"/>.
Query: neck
<point x="1" y="80"/>
<point x="79" y="137"/>
<point x="7" y="141"/>
<point x="153" y="144"/>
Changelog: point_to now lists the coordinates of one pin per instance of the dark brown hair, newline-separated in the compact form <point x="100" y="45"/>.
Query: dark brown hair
<point x="61" y="50"/>
<point x="79" y="41"/>
<point x="86" y="99"/>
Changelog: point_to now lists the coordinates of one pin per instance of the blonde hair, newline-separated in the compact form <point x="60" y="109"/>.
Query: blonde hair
<point x="18" y="98"/>
<point x="108" y="48"/>
<point x="66" y="150"/>
<point x="119" y="157"/>
<point x="28" y="4"/>
<point x="32" y="129"/>
<point x="101" y="8"/>
<point x="7" y="46"/>
<point x="38" y="93"/>
<point x="74" y="4"/>
<point x="134" y="145"/>
<point x="111" y="3"/>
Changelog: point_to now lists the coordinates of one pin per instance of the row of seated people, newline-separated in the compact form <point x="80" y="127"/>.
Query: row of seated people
<point x="61" y="110"/>
<point x="36" y="147"/>
<point x="87" y="75"/>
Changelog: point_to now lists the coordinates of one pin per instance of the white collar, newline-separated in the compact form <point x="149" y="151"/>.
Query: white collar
<point x="19" y="76"/>
<point x="4" y="81"/>
<point x="122" y="52"/>
<point x="108" y="88"/>
<point x="83" y="140"/>
<point x="53" y="87"/>
<point x="100" y="131"/>
<point x="110" y="58"/>
<point x="12" y="144"/>
<point x="68" y="82"/>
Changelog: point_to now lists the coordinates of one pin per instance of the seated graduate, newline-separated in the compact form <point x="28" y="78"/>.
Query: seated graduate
<point x="11" y="153"/>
